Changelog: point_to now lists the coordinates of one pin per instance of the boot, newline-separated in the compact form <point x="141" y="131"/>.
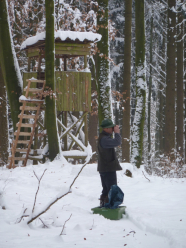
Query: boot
<point x="103" y="199"/>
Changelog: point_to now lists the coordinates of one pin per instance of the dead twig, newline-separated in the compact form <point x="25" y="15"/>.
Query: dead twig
<point x="145" y="176"/>
<point x="39" y="180"/>
<point x="44" y="226"/>
<point x="64" y="225"/>
<point x="20" y="219"/>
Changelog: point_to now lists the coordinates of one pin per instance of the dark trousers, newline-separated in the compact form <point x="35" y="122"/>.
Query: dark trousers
<point x="108" y="179"/>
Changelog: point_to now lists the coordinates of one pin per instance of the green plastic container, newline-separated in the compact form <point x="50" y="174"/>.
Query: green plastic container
<point x="111" y="214"/>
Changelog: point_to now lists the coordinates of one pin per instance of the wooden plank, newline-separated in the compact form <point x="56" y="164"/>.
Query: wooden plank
<point x="32" y="101"/>
<point x="34" y="90"/>
<point x="76" y="53"/>
<point x="21" y="150"/>
<point x="19" y="158"/>
<point x="27" y="116"/>
<point x="36" y="81"/>
<point x="28" y="108"/>
<point x="23" y="133"/>
<point x="65" y="45"/>
<point x="25" y="125"/>
<point x="73" y="48"/>
<point x="33" y="54"/>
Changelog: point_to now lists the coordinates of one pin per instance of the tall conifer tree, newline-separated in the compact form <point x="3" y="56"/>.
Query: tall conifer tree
<point x="102" y="63"/>
<point x="179" y="119"/>
<point x="138" y="125"/>
<point x="8" y="60"/>
<point x="170" y="80"/>
<point x="51" y="124"/>
<point x="127" y="82"/>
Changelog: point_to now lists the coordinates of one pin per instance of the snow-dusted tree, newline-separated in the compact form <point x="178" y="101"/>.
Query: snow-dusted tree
<point x="127" y="82"/>
<point x="170" y="80"/>
<point x="8" y="60"/>
<point x="49" y="76"/>
<point x="138" y="125"/>
<point x="180" y="91"/>
<point x="3" y="122"/>
<point x="102" y="63"/>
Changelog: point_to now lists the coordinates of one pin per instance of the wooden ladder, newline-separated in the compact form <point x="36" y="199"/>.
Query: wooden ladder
<point x="38" y="101"/>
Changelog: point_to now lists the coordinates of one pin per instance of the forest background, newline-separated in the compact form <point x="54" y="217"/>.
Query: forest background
<point x="138" y="73"/>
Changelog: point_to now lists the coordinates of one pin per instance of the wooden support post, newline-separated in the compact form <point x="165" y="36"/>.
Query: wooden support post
<point x="65" y="63"/>
<point x="29" y="59"/>
<point x="35" y="145"/>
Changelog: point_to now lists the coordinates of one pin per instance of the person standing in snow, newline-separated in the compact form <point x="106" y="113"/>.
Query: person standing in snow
<point x="108" y="163"/>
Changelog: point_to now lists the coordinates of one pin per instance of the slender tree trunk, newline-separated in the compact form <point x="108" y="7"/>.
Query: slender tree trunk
<point x="93" y="116"/>
<point x="127" y="82"/>
<point x="185" y="86"/>
<point x="3" y="123"/>
<point x="102" y="63"/>
<point x="170" y="81"/>
<point x="138" y="125"/>
<point x="51" y="124"/>
<point x="10" y="68"/>
<point x="150" y="91"/>
<point x="180" y="112"/>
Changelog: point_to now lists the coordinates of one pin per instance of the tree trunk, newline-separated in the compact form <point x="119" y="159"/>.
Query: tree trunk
<point x="127" y="82"/>
<point x="102" y="63"/>
<point x="150" y="92"/>
<point x="51" y="124"/>
<point x="170" y="81"/>
<point x="93" y="116"/>
<point x="10" y="68"/>
<point x="3" y="123"/>
<point x="180" y="111"/>
<point x="138" y="125"/>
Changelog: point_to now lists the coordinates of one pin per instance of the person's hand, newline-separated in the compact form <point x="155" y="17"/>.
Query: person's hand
<point x="116" y="129"/>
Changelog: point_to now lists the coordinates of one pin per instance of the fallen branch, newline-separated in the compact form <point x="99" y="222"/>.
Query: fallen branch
<point x="145" y="176"/>
<point x="39" y="180"/>
<point x="58" y="198"/>
<point x="64" y="225"/>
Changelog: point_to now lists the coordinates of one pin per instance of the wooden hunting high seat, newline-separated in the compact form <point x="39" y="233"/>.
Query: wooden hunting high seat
<point x="73" y="87"/>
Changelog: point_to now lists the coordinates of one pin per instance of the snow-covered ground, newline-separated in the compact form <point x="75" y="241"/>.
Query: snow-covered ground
<point x="155" y="214"/>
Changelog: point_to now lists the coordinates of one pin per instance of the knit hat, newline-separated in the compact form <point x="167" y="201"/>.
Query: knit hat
<point x="107" y="123"/>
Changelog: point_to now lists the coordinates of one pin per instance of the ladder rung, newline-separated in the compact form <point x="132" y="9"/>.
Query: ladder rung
<point x="23" y="141"/>
<point x="26" y="125"/>
<point x="27" y="116"/>
<point x="19" y="158"/>
<point x="33" y="90"/>
<point x="28" y="108"/>
<point x="32" y="101"/>
<point x="23" y="134"/>
<point x="21" y="150"/>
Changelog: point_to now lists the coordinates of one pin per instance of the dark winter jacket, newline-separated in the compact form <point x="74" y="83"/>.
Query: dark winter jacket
<point x="107" y="160"/>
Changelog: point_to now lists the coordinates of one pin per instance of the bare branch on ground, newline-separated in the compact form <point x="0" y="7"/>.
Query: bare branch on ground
<point x="64" y="225"/>
<point x="39" y="180"/>
<point x="145" y="176"/>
